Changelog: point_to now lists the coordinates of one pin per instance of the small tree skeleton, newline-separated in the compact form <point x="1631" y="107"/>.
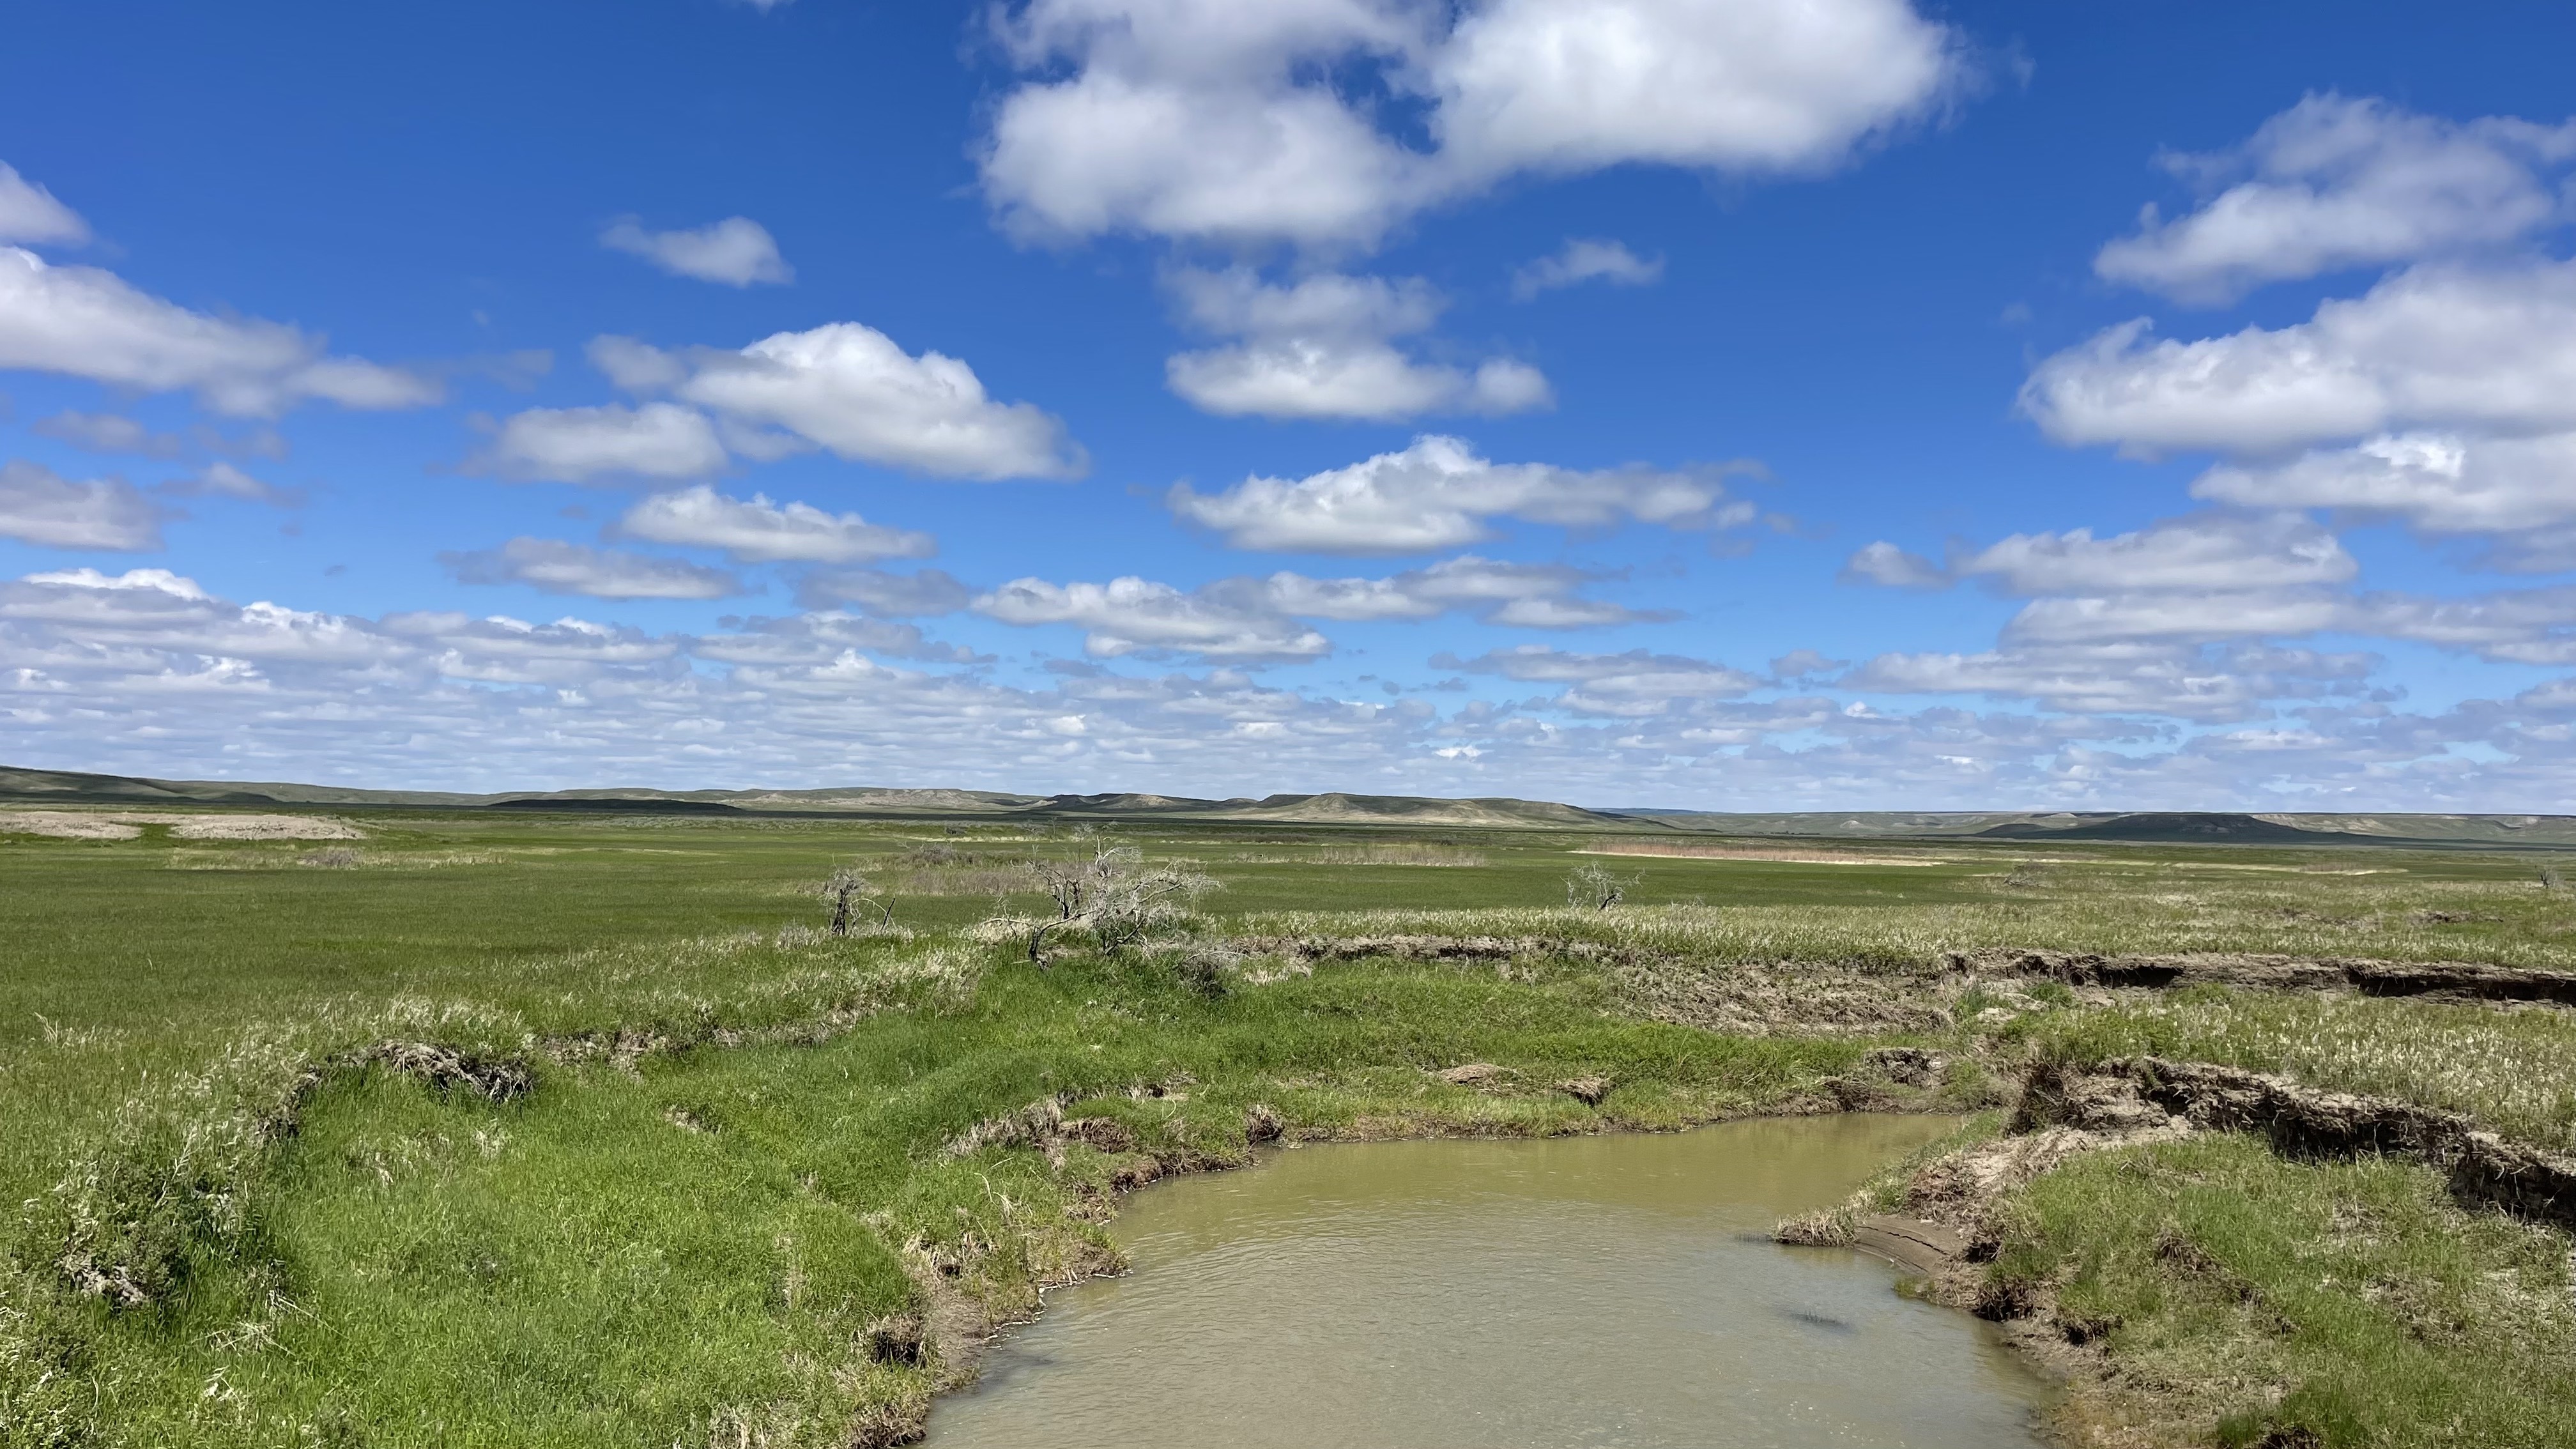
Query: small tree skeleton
<point x="1115" y="895"/>
<point x="1595" y="886"/>
<point x="847" y="885"/>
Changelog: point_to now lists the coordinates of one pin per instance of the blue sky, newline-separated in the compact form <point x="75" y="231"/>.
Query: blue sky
<point x="1700" y="403"/>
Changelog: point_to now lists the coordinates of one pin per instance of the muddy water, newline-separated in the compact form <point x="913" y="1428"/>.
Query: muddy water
<point x="1419" y="1295"/>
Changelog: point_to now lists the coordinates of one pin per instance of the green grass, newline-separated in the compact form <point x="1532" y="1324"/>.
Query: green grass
<point x="584" y="1269"/>
<point x="685" y="1244"/>
<point x="2352" y="1301"/>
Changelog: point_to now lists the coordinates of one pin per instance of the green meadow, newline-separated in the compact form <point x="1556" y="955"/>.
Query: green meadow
<point x="533" y="1129"/>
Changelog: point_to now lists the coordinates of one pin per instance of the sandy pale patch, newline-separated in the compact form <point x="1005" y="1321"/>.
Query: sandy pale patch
<point x="128" y="825"/>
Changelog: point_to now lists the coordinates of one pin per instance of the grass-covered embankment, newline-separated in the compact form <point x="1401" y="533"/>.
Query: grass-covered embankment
<point x="2244" y="1297"/>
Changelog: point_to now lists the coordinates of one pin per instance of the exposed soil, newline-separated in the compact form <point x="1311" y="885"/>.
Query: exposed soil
<point x="2459" y="980"/>
<point x="2485" y="1170"/>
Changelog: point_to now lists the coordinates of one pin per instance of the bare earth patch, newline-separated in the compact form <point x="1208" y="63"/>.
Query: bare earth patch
<point x="128" y="825"/>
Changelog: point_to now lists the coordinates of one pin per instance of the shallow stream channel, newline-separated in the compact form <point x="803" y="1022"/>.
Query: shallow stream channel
<point x="1611" y="1290"/>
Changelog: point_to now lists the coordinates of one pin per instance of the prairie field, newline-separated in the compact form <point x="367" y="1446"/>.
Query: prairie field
<point x="474" y="1128"/>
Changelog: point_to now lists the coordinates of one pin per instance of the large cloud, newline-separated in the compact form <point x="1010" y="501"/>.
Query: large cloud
<point x="84" y="322"/>
<point x="1207" y="119"/>
<point x="2338" y="182"/>
<point x="1440" y="494"/>
<point x="2444" y="397"/>
<point x="40" y="506"/>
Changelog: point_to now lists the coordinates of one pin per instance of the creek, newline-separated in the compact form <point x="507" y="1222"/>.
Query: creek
<point x="1505" y="1294"/>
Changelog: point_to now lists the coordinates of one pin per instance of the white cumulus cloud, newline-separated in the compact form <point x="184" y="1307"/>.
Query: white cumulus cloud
<point x="1744" y="86"/>
<point x="2488" y="348"/>
<point x="85" y="322"/>
<point x="2337" y="182"/>
<point x="1323" y="348"/>
<point x="2520" y="491"/>
<point x="849" y="388"/>
<point x="1438" y="494"/>
<point x="755" y="530"/>
<point x="2202" y="553"/>
<point x="1129" y="615"/>
<point x="736" y="251"/>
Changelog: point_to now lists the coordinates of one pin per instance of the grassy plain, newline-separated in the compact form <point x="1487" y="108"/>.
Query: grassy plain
<point x="751" y="1167"/>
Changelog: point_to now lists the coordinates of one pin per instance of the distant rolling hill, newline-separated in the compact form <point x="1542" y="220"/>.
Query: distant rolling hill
<point x="59" y="787"/>
<point x="2179" y="828"/>
<point x="2303" y="828"/>
<point x="24" y="787"/>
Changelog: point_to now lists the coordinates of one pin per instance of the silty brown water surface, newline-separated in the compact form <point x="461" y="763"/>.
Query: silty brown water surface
<point x="1612" y="1290"/>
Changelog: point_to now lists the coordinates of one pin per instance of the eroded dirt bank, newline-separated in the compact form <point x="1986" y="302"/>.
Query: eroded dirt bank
<point x="2455" y="980"/>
